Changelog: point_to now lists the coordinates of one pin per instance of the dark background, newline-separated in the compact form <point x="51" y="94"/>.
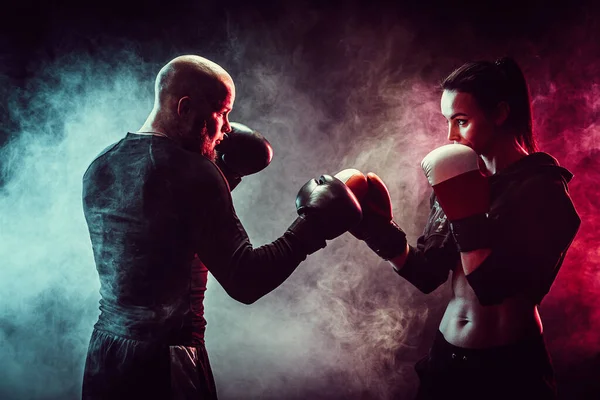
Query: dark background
<point x="332" y="85"/>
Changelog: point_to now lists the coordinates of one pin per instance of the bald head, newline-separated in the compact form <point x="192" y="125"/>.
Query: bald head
<point x="192" y="76"/>
<point x="192" y="101"/>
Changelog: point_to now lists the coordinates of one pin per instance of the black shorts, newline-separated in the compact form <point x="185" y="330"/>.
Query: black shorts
<point x="120" y="368"/>
<point x="518" y="371"/>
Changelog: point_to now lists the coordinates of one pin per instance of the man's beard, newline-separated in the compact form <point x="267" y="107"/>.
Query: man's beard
<point x="207" y="145"/>
<point x="202" y="144"/>
<point x="208" y="148"/>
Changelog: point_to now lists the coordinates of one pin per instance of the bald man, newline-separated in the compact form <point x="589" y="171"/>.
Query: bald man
<point x="160" y="217"/>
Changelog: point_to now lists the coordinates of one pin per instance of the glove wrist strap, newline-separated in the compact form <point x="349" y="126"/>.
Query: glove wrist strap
<point x="308" y="234"/>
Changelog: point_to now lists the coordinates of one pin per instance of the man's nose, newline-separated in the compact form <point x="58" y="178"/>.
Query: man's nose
<point x="226" y="127"/>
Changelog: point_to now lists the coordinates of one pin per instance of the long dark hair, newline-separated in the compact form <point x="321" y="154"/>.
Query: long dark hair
<point x="491" y="83"/>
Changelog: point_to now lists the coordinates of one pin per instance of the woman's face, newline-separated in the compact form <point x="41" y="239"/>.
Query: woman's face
<point x="468" y="124"/>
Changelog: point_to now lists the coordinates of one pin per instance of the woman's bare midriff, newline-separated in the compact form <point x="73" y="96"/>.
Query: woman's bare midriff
<point x="468" y="324"/>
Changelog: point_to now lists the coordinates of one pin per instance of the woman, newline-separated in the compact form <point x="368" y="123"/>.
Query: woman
<point x="501" y="220"/>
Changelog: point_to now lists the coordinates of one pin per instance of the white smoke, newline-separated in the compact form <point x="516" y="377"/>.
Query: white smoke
<point x="344" y="325"/>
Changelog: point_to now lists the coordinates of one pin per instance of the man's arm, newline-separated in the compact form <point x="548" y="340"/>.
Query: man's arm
<point x="221" y="242"/>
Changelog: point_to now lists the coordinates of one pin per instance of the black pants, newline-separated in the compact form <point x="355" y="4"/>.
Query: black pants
<point x="119" y="368"/>
<point x="519" y="371"/>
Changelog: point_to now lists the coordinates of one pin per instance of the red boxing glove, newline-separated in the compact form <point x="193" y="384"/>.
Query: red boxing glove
<point x="463" y="193"/>
<point x="377" y="227"/>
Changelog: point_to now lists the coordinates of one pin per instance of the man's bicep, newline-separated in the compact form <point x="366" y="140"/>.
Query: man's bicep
<point x="217" y="234"/>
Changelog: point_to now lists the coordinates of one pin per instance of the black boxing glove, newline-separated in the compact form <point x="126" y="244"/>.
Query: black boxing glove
<point x="326" y="208"/>
<point x="242" y="152"/>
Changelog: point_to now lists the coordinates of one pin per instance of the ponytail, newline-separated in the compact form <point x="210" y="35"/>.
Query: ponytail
<point x="519" y="101"/>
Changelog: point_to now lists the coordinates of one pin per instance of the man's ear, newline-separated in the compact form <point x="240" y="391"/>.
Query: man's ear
<point x="501" y="113"/>
<point x="184" y="106"/>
